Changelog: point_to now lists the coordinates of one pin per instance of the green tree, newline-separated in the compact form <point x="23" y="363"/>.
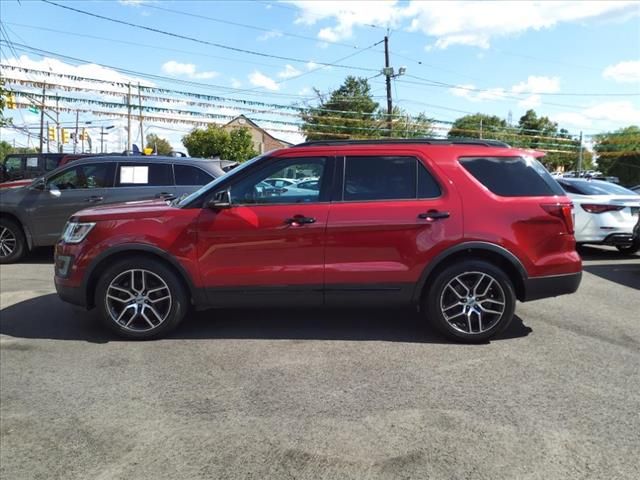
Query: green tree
<point x="348" y="112"/>
<point x="160" y="145"/>
<point x="479" y="125"/>
<point x="406" y="126"/>
<point x="618" y="154"/>
<point x="215" y="141"/>
<point x="5" y="149"/>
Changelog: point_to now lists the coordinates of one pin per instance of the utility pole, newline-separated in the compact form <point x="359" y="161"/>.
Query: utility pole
<point x="82" y="136"/>
<point x="75" y="137"/>
<point x="141" y="130"/>
<point x="102" y="139"/>
<point x="480" y="128"/>
<point x="58" y="126"/>
<point x="388" y="74"/>
<point x="129" y="119"/>
<point x="580" y="154"/>
<point x="44" y="86"/>
<point x="48" y="140"/>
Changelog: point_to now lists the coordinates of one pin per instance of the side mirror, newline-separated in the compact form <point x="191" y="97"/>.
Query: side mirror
<point x="39" y="184"/>
<point x="220" y="201"/>
<point x="54" y="191"/>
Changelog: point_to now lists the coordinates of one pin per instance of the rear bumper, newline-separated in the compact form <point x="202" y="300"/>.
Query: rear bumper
<point x="74" y="295"/>
<point x="536" y="288"/>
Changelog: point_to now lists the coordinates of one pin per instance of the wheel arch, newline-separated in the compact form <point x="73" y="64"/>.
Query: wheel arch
<point x="490" y="252"/>
<point x="108" y="257"/>
<point x="25" y="230"/>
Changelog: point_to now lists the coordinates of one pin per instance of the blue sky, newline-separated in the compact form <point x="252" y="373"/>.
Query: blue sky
<point x="460" y="57"/>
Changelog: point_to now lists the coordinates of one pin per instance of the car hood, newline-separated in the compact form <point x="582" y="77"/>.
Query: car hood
<point x="127" y="210"/>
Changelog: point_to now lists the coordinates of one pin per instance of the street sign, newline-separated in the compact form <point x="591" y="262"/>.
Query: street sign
<point x="34" y="110"/>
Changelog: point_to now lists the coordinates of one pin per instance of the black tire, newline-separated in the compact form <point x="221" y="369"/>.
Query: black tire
<point x="11" y="230"/>
<point x="179" y="301"/>
<point x="468" y="270"/>
<point x="629" y="249"/>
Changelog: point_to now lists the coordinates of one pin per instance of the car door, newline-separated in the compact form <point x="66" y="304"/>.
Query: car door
<point x="189" y="178"/>
<point x="269" y="243"/>
<point x="391" y="215"/>
<point x="66" y="192"/>
<point x="140" y="180"/>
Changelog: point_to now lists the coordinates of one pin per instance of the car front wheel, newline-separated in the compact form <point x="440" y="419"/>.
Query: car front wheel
<point x="629" y="249"/>
<point x="470" y="301"/>
<point x="141" y="298"/>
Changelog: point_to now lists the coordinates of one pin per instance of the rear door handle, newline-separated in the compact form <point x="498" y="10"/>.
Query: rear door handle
<point x="95" y="199"/>
<point x="433" y="215"/>
<point x="299" y="220"/>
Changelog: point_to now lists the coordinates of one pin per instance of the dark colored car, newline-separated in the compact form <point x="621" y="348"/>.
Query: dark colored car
<point x="458" y="229"/>
<point x="20" y="166"/>
<point x="35" y="215"/>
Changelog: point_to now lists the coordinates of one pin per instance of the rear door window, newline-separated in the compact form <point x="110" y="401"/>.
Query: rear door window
<point x="144" y="175"/>
<point x="387" y="178"/>
<point x="189" y="175"/>
<point x="512" y="176"/>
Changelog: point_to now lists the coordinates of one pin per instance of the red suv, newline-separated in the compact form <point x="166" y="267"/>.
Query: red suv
<point x="458" y="229"/>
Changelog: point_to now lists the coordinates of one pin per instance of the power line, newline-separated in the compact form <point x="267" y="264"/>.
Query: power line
<point x="204" y="42"/>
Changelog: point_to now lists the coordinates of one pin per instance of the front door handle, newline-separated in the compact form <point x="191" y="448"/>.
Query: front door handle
<point x="95" y="199"/>
<point x="433" y="215"/>
<point x="165" y="195"/>
<point x="299" y="220"/>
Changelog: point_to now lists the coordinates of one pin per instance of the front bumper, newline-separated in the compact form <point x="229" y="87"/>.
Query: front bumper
<point x="74" y="295"/>
<point x="536" y="288"/>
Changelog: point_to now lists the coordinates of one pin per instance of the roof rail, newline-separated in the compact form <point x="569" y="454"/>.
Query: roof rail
<point x="428" y="141"/>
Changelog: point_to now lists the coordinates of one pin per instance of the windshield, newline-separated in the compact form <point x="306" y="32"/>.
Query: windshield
<point x="186" y="200"/>
<point x="598" y="188"/>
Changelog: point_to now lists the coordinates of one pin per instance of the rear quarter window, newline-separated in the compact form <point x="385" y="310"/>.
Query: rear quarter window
<point x="512" y="176"/>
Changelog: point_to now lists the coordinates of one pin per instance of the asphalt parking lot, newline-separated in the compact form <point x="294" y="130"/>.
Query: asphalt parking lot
<point x="325" y="394"/>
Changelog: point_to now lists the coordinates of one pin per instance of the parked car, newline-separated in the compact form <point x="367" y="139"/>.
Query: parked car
<point x="459" y="229"/>
<point x="636" y="189"/>
<point x="20" y="166"/>
<point x="311" y="184"/>
<point x="281" y="182"/>
<point x="605" y="213"/>
<point x="35" y="215"/>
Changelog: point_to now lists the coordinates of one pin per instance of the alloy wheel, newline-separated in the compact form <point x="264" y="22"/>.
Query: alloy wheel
<point x="472" y="302"/>
<point x="138" y="300"/>
<point x="7" y="242"/>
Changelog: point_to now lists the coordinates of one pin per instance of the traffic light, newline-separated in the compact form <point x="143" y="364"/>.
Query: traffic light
<point x="52" y="134"/>
<point x="66" y="135"/>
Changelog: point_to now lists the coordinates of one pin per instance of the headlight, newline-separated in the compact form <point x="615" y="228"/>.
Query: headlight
<point x="76" y="232"/>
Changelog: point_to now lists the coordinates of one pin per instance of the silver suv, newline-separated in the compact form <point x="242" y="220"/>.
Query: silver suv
<point x="35" y="215"/>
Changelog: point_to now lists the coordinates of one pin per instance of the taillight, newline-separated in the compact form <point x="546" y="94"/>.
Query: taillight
<point x="562" y="211"/>
<point x="595" y="208"/>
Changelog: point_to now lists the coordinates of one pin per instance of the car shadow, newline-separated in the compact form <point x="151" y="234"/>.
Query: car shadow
<point x="626" y="274"/>
<point x="47" y="317"/>
<point x="39" y="256"/>
<point x="603" y="253"/>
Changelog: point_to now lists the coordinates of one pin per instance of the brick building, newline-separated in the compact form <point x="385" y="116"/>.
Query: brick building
<point x="263" y="141"/>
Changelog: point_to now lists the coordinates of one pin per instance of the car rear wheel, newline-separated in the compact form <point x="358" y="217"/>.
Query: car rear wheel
<point x="141" y="298"/>
<point x="470" y="301"/>
<point x="629" y="249"/>
<point x="13" y="244"/>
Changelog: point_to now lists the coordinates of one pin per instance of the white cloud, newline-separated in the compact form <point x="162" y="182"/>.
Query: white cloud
<point x="269" y="35"/>
<point x="601" y="116"/>
<point x="348" y="14"/>
<point x="453" y="22"/>
<point x="259" y="79"/>
<point x="533" y="86"/>
<point x="314" y="66"/>
<point x="623" y="72"/>
<point x="133" y="3"/>
<point x="235" y="83"/>
<point x="189" y="70"/>
<point x="289" y="72"/>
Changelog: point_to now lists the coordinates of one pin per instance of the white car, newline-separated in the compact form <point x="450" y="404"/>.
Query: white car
<point x="605" y="213"/>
